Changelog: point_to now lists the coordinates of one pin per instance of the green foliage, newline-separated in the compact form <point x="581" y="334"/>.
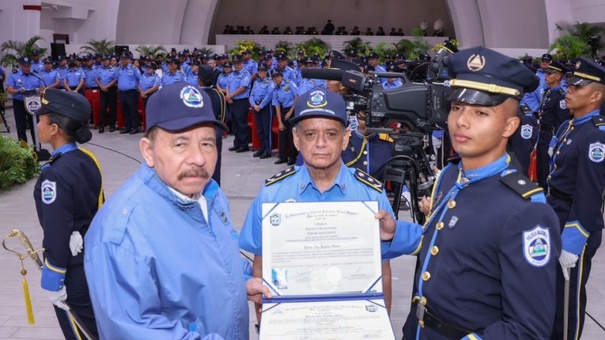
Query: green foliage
<point x="17" y="163"/>
<point x="384" y="48"/>
<point x="153" y="50"/>
<point x="314" y="46"/>
<point x="584" y="32"/>
<point x="356" y="44"/>
<point x="12" y="50"/>
<point x="243" y="45"/>
<point x="284" y="46"/>
<point x="569" y="47"/>
<point x="99" y="46"/>
<point x="206" y="50"/>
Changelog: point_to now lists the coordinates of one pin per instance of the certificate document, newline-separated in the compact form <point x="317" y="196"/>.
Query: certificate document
<point x="322" y="262"/>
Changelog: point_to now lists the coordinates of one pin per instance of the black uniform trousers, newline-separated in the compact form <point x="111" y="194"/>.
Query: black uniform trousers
<point x="129" y="101"/>
<point x="109" y="100"/>
<point x="286" y="149"/>
<point x="546" y="134"/>
<point x="79" y="302"/>
<point x="263" y="124"/>
<point x="22" y="119"/>
<point x="577" y="279"/>
<point x="239" y="114"/>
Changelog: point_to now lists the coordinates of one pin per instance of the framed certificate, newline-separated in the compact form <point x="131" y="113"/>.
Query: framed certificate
<point x="322" y="262"/>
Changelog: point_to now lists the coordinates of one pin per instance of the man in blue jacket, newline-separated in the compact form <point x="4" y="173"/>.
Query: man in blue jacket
<point x="162" y="256"/>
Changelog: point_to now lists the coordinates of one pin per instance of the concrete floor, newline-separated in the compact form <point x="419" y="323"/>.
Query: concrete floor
<point x="242" y="176"/>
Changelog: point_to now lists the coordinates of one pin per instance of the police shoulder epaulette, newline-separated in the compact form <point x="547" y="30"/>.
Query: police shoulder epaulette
<point x="280" y="175"/>
<point x="50" y="161"/>
<point x="520" y="184"/>
<point x="368" y="180"/>
<point x="453" y="160"/>
<point x="599" y="121"/>
<point x="385" y="137"/>
<point x="562" y="91"/>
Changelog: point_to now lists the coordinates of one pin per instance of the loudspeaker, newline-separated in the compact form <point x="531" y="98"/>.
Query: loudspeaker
<point x="56" y="50"/>
<point x="119" y="49"/>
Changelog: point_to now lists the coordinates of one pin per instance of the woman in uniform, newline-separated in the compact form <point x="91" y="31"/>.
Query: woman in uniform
<point x="68" y="194"/>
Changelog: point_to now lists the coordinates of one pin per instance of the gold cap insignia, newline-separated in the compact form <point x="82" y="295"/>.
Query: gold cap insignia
<point x="578" y="64"/>
<point x="475" y="63"/>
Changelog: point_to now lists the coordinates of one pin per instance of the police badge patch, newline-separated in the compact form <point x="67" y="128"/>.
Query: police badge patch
<point x="596" y="152"/>
<point x="536" y="246"/>
<point x="48" y="191"/>
<point x="562" y="104"/>
<point x="526" y="131"/>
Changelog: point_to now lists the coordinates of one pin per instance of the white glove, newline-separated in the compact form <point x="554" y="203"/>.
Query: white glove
<point x="58" y="298"/>
<point x="76" y="244"/>
<point x="567" y="261"/>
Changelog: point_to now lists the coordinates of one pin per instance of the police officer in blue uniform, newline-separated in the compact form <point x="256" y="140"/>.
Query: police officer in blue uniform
<point x="306" y="84"/>
<point x="192" y="77"/>
<point x="20" y="82"/>
<point x="37" y="63"/>
<point x="90" y="72"/>
<point x="321" y="135"/>
<point x="67" y="194"/>
<point x="106" y="80"/>
<point x="237" y="98"/>
<point x="576" y="184"/>
<point x="74" y="78"/>
<point x="50" y="77"/>
<point x="552" y="113"/>
<point x="283" y="68"/>
<point x="174" y="75"/>
<point x="284" y="100"/>
<point x="150" y="82"/>
<point x="488" y="259"/>
<point x="260" y="101"/>
<point x="62" y="69"/>
<point x="249" y="64"/>
<point x="523" y="143"/>
<point x="128" y="78"/>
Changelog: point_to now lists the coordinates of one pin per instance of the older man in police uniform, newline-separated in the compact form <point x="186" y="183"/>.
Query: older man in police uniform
<point x="576" y="184"/>
<point x="320" y="134"/>
<point x="488" y="260"/>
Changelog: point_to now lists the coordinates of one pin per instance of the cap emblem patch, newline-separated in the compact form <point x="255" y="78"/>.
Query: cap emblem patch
<point x="317" y="99"/>
<point x="192" y="97"/>
<point x="475" y="63"/>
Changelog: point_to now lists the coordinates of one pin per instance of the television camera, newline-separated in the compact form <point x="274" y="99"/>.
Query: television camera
<point x="408" y="114"/>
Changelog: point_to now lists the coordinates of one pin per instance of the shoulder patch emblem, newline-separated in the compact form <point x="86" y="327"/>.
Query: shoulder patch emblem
<point x="520" y="184"/>
<point x="48" y="191"/>
<point x="526" y="131"/>
<point x="536" y="246"/>
<point x="368" y="180"/>
<point x="562" y="104"/>
<point x="280" y="175"/>
<point x="596" y="152"/>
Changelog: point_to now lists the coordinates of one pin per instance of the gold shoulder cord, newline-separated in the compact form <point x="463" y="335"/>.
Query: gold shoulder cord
<point x="94" y="159"/>
<point x="363" y="146"/>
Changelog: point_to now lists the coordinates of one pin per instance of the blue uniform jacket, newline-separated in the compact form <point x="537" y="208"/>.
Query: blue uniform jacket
<point x="20" y="80"/>
<point x="223" y="80"/>
<point x="489" y="255"/>
<point x="106" y="75"/>
<point x="578" y="170"/>
<point x="171" y="78"/>
<point x="368" y="153"/>
<point x="262" y="92"/>
<point x="553" y="110"/>
<point x="49" y="77"/>
<point x="306" y="84"/>
<point x="238" y="79"/>
<point x="284" y="94"/>
<point x="91" y="77"/>
<point x="149" y="80"/>
<point x="297" y="185"/>
<point x="157" y="270"/>
<point x="67" y="198"/>
<point x="74" y="76"/>
<point x="128" y="78"/>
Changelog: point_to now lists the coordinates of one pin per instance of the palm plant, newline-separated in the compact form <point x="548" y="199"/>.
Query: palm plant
<point x="569" y="47"/>
<point x="12" y="50"/>
<point x="205" y="50"/>
<point x="103" y="46"/>
<point x="243" y="45"/>
<point x="284" y="46"/>
<point x="584" y="32"/>
<point x="357" y="45"/>
<point x="145" y="50"/>
<point x="314" y="46"/>
<point x="384" y="48"/>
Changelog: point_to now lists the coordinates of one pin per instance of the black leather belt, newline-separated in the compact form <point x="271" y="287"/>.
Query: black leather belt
<point x="426" y="319"/>
<point x="560" y="195"/>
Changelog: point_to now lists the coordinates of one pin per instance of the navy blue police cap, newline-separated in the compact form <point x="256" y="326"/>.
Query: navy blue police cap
<point x="373" y="55"/>
<point x="262" y="67"/>
<point x="587" y="71"/>
<point x="282" y="56"/>
<point x="247" y="52"/>
<point x="236" y="59"/>
<point x="69" y="104"/>
<point x="276" y="72"/>
<point x="556" y="66"/>
<point x="48" y="60"/>
<point x="25" y="61"/>
<point x="178" y="107"/>
<point x="481" y="76"/>
<point x="268" y="57"/>
<point x="320" y="103"/>
<point x="227" y="64"/>
<point x="547" y="56"/>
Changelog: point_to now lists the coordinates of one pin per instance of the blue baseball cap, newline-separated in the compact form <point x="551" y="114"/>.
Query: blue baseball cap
<point x="320" y="103"/>
<point x="180" y="106"/>
<point x="481" y="76"/>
